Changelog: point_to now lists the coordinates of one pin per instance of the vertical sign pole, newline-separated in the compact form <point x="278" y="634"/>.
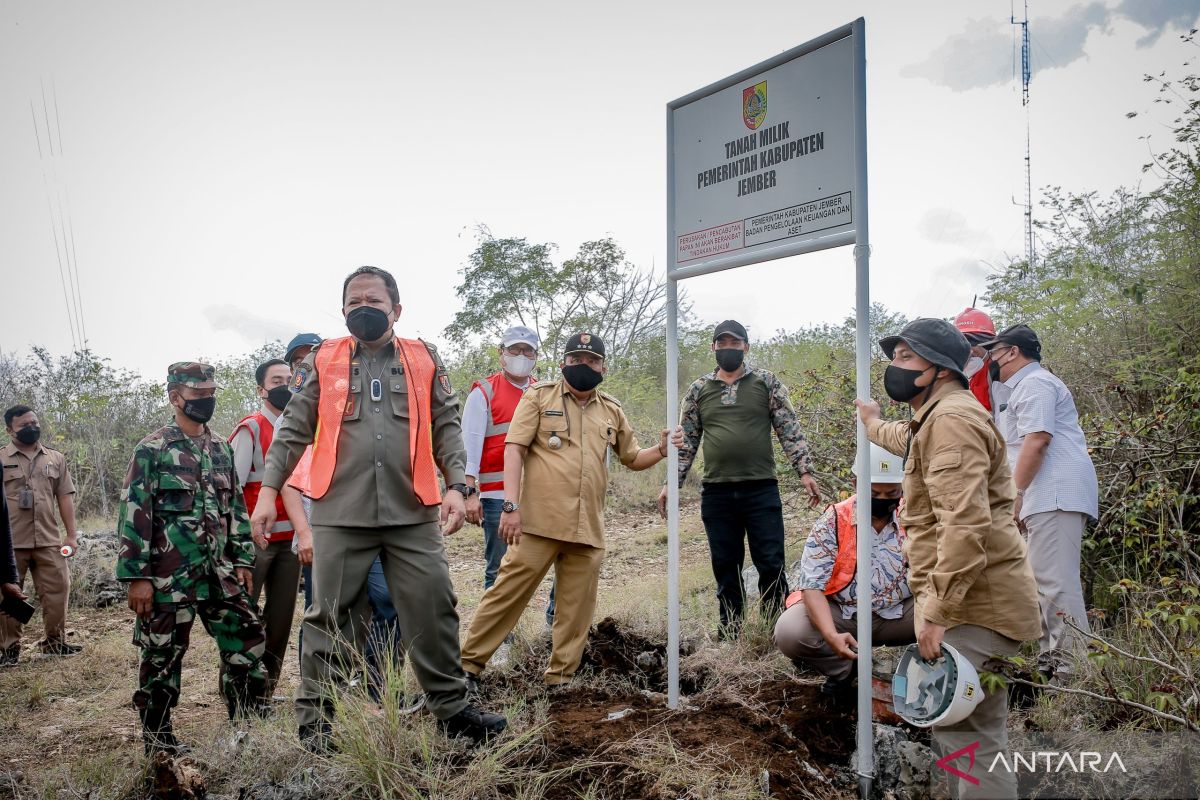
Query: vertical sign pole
<point x="672" y="421"/>
<point x="672" y="496"/>
<point x="862" y="350"/>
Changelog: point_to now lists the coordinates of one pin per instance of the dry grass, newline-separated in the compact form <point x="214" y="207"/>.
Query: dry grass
<point x="70" y="730"/>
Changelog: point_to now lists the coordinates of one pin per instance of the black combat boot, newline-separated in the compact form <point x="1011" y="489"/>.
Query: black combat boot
<point x="477" y="725"/>
<point x="317" y="738"/>
<point x="157" y="733"/>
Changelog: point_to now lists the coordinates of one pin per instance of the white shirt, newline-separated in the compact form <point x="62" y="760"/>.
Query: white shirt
<point x="1041" y="403"/>
<point x="243" y="445"/>
<point x="474" y="425"/>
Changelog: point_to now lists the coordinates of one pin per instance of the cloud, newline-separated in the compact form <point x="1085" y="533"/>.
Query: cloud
<point x="982" y="55"/>
<point x="247" y="324"/>
<point x="951" y="227"/>
<point x="978" y="57"/>
<point x="1156" y="16"/>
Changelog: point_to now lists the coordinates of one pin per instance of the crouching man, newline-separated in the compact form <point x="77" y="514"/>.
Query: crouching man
<point x="817" y="629"/>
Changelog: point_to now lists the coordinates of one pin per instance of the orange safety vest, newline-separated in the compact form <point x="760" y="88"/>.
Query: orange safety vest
<point x="502" y="398"/>
<point x="263" y="432"/>
<point x="333" y="373"/>
<point x="845" y="563"/>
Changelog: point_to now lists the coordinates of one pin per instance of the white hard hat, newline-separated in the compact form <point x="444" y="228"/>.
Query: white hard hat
<point x="885" y="466"/>
<point x="940" y="692"/>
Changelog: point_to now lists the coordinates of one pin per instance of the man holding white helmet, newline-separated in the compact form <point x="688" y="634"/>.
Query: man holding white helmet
<point x="817" y="629"/>
<point x="969" y="568"/>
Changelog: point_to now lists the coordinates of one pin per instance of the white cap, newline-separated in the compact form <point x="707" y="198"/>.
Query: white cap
<point x="885" y="466"/>
<point x="519" y="334"/>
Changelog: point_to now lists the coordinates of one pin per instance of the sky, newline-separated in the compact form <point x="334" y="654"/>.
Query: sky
<point x="214" y="170"/>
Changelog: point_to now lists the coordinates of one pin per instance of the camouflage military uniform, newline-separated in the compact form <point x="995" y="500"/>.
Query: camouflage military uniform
<point x="183" y="525"/>
<point x="740" y="501"/>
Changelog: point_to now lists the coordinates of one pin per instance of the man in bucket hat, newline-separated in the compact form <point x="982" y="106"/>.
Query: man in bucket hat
<point x="969" y="570"/>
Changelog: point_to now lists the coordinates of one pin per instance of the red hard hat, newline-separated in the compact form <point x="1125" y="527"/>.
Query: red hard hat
<point x="972" y="320"/>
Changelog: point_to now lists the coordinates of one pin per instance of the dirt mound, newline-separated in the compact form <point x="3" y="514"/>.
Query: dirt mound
<point x="643" y="662"/>
<point x="610" y="740"/>
<point x="620" y="743"/>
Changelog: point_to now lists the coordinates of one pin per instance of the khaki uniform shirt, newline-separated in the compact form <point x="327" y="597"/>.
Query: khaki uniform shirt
<point x="562" y="491"/>
<point x="47" y="475"/>
<point x="372" y="483"/>
<point x="967" y="561"/>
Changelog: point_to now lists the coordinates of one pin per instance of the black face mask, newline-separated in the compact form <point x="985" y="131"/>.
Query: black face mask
<point x="367" y="324"/>
<point x="279" y="396"/>
<point x="200" y="410"/>
<point x="29" y="435"/>
<point x="582" y="377"/>
<point x="882" y="507"/>
<point x="730" y="358"/>
<point x="900" y="384"/>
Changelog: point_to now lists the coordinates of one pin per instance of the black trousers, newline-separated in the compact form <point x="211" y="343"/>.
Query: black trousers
<point x="748" y="511"/>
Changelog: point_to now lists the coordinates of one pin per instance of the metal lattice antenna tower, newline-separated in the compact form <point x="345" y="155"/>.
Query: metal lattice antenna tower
<point x="1025" y="75"/>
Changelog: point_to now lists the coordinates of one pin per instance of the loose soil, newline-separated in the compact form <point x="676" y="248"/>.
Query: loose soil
<point x="784" y="726"/>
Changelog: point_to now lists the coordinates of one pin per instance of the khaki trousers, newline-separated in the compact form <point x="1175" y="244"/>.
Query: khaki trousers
<point x="798" y="639"/>
<point x="52" y="580"/>
<point x="576" y="575"/>
<point x="988" y="723"/>
<point x="418" y="579"/>
<point x="1054" y="539"/>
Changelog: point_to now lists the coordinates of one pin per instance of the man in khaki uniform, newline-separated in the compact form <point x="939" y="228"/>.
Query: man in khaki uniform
<point x="969" y="570"/>
<point x="388" y="424"/>
<point x="36" y="479"/>
<point x="558" y="444"/>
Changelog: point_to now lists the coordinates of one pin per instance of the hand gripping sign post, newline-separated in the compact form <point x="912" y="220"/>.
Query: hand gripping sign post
<point x="768" y="163"/>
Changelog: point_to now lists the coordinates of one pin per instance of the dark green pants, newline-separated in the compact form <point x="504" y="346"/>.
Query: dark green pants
<point x="418" y="577"/>
<point x="164" y="640"/>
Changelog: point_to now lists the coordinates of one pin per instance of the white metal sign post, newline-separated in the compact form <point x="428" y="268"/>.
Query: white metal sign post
<point x="768" y="163"/>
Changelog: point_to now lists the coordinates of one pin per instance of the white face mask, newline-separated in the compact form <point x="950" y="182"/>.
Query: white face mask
<point x="974" y="364"/>
<point x="518" y="366"/>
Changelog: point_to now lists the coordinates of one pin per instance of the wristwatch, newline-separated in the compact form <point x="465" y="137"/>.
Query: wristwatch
<point x="509" y="506"/>
<point x="468" y="490"/>
<point x="461" y="488"/>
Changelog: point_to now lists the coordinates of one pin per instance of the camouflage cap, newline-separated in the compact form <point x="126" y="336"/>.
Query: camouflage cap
<point x="192" y="373"/>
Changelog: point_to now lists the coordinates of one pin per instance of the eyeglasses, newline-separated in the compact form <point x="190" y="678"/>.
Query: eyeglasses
<point x="520" y="350"/>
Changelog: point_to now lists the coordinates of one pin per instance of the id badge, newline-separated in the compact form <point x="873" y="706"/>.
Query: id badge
<point x="25" y="498"/>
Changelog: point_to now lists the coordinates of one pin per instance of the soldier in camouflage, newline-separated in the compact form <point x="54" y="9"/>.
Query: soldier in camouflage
<point x="734" y="411"/>
<point x="186" y="551"/>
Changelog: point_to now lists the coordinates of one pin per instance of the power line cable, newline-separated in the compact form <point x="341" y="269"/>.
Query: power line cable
<point x="46" y="114"/>
<point x="75" y="260"/>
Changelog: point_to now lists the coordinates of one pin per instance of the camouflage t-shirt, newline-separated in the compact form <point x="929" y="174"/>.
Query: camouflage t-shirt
<point x="735" y="422"/>
<point x="182" y="522"/>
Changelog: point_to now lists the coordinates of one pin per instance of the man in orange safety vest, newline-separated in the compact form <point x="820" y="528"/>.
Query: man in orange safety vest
<point x="817" y="627"/>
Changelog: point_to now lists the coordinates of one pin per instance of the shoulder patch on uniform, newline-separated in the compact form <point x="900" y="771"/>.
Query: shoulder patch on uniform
<point x="299" y="379"/>
<point x="610" y="399"/>
<point x="444" y="381"/>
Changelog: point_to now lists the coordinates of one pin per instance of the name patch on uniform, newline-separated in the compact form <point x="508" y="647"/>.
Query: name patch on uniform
<point x="552" y="413"/>
<point x="299" y="379"/>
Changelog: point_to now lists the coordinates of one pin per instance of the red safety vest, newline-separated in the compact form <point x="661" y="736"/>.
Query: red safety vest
<point x="263" y="432"/>
<point x="845" y="563"/>
<point x="502" y="398"/>
<point x="981" y="385"/>
<point x="333" y="371"/>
